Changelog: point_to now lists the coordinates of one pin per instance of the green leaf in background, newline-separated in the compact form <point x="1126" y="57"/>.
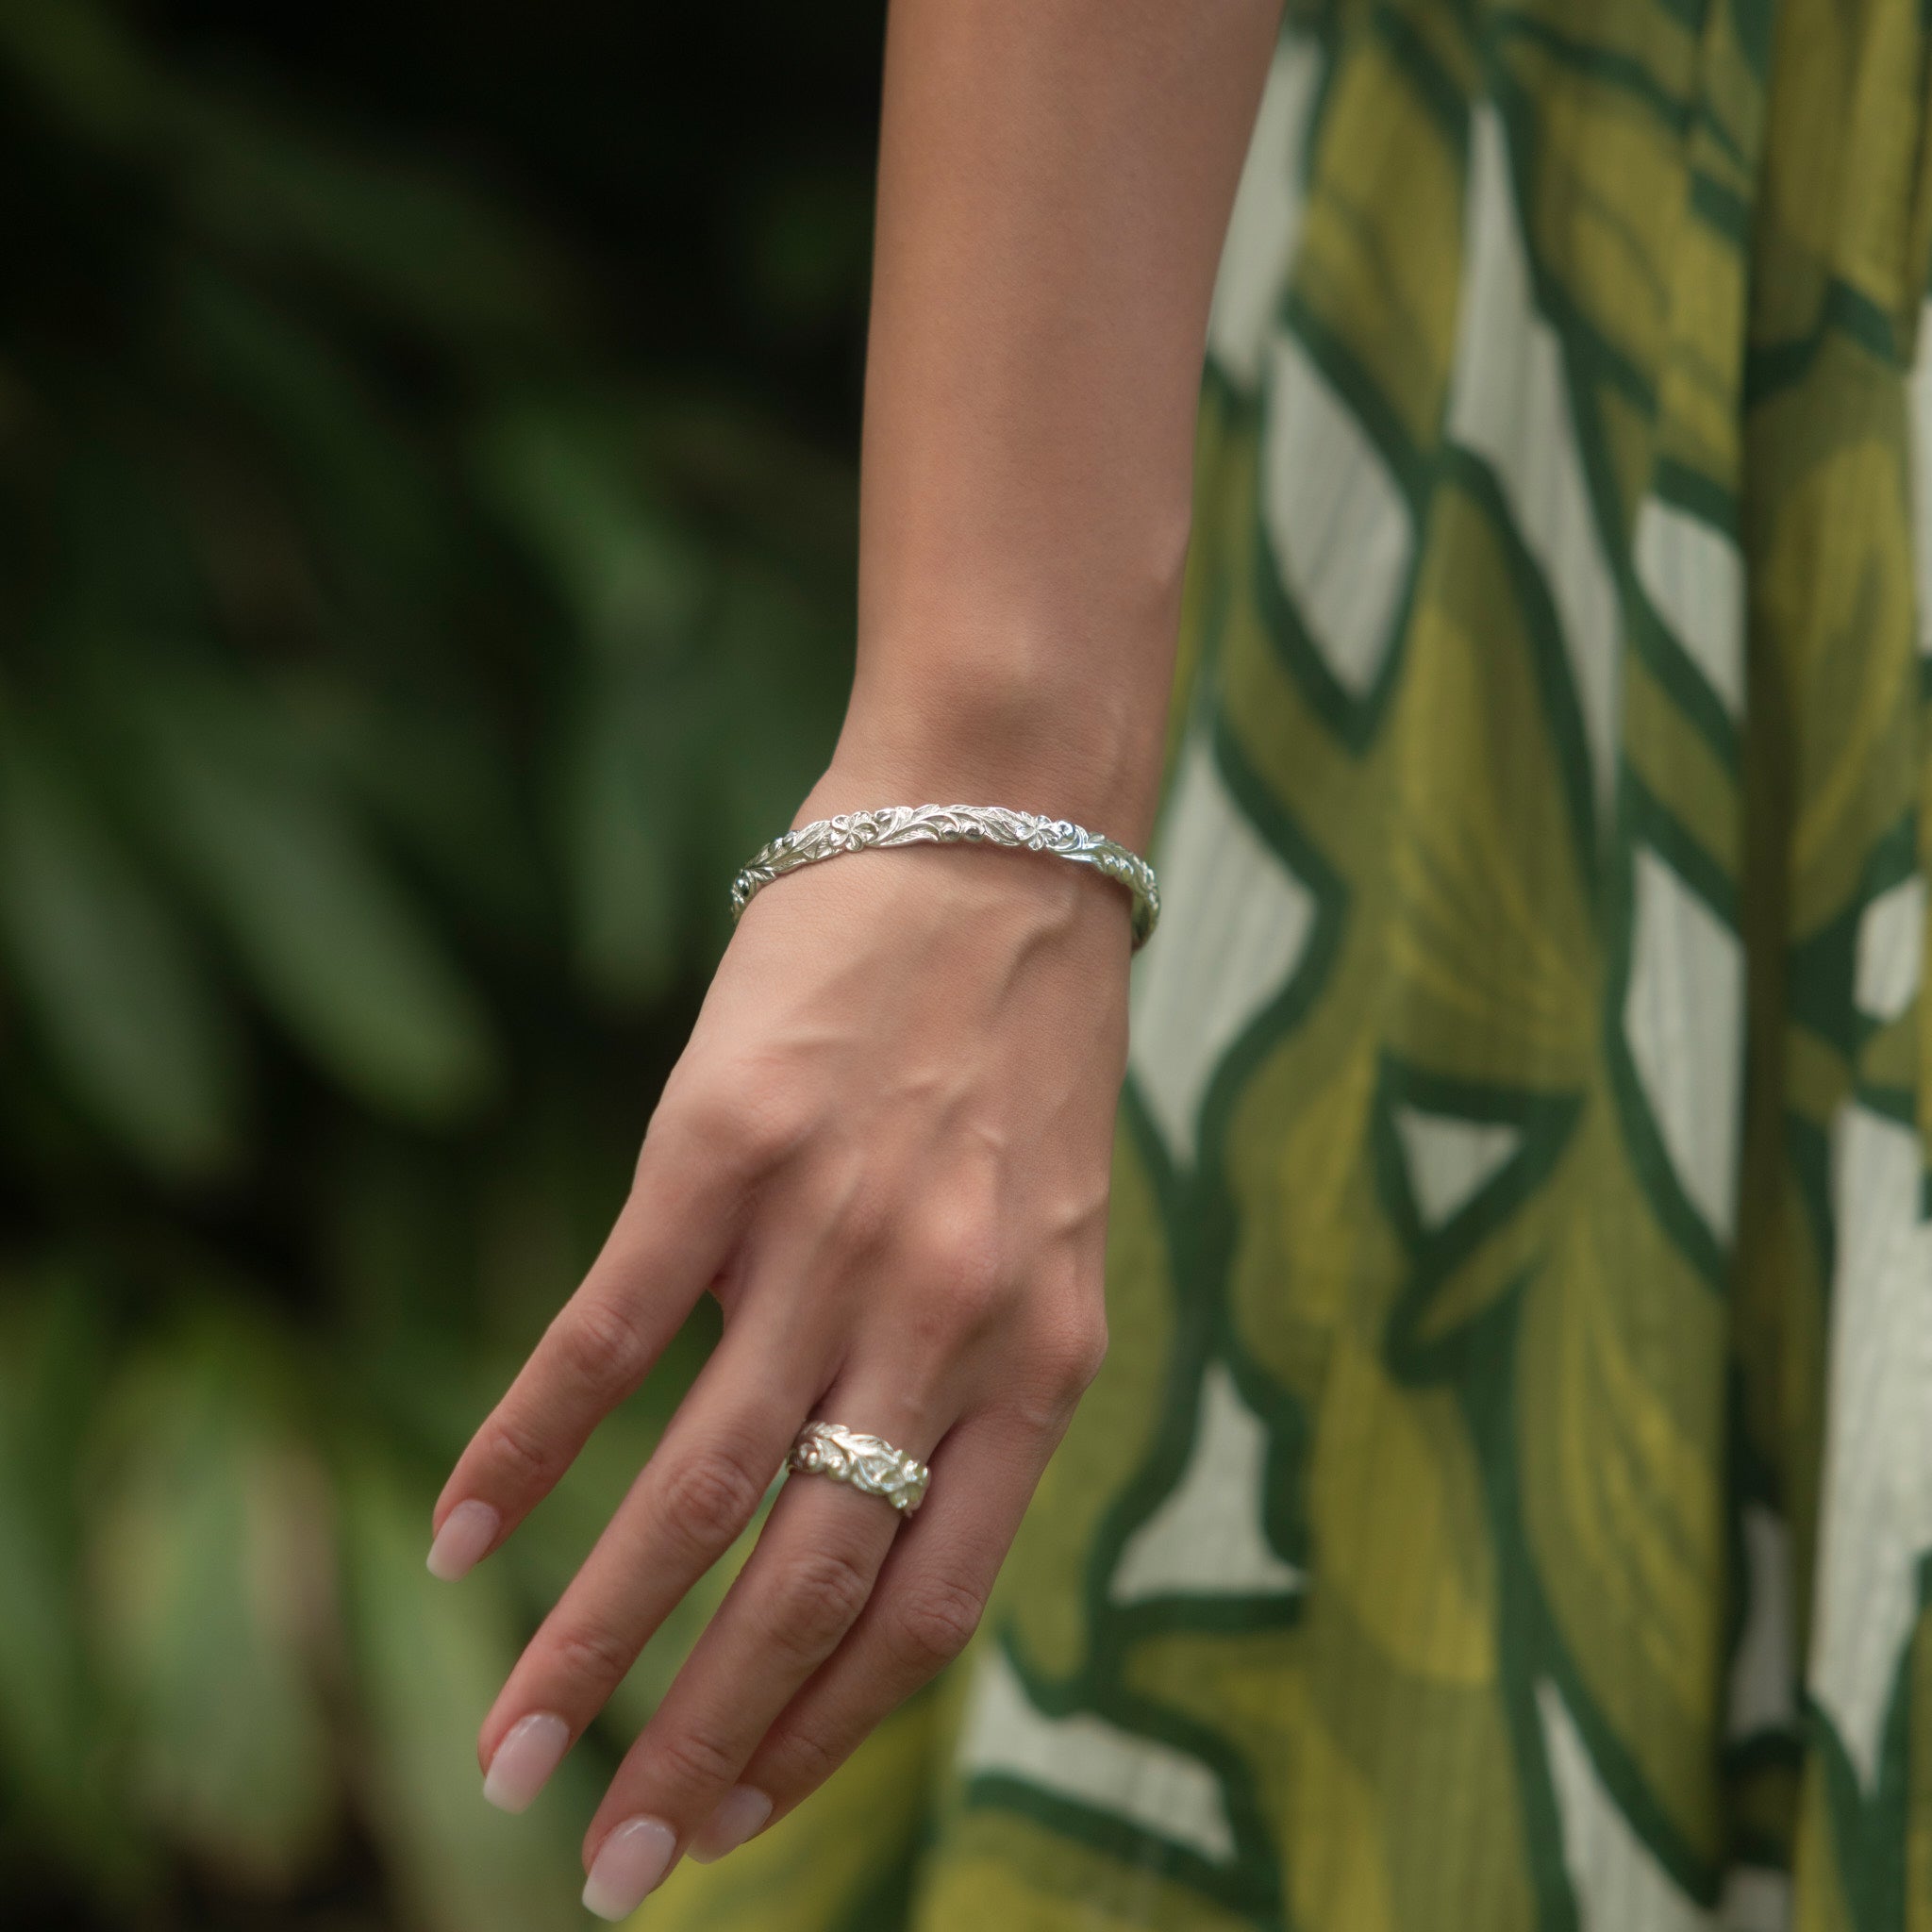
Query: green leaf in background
<point x="569" y="482"/>
<point x="370" y="488"/>
<point x="212" y="1595"/>
<point x="432" y="776"/>
<point x="54" y="1736"/>
<point x="429" y="519"/>
<point x="332" y="943"/>
<point x="121" y="998"/>
<point x="430" y="1658"/>
<point x="810" y="243"/>
<point x="771" y="700"/>
<point x="391" y="231"/>
<point x="82" y="67"/>
<point x="400" y="234"/>
<point x="628" y="774"/>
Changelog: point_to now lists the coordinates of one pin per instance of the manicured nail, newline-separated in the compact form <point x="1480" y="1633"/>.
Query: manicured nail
<point x="531" y="1751"/>
<point x="628" y="1864"/>
<point x="740" y="1813"/>
<point x="467" y="1531"/>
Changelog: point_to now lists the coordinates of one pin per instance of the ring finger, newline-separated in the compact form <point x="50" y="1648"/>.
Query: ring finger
<point x="799" y="1593"/>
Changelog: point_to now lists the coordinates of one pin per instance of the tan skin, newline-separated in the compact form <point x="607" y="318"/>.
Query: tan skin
<point x="886" y="1147"/>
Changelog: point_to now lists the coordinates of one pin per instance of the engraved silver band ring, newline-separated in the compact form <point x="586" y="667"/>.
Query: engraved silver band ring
<point x="867" y="1462"/>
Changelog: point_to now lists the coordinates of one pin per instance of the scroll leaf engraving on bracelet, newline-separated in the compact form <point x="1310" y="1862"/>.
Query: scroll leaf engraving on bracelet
<point x="954" y="825"/>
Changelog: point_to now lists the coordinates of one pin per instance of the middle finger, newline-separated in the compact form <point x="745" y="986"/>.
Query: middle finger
<point x="694" y="1497"/>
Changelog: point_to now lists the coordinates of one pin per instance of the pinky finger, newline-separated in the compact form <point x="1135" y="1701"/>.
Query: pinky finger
<point x="924" y="1607"/>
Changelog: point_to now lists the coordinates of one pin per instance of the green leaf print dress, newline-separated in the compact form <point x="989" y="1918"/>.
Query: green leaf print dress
<point x="1507" y="1503"/>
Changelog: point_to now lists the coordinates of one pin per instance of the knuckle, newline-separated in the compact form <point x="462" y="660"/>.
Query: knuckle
<point x="861" y="1216"/>
<point x="694" y="1759"/>
<point x="708" y="1497"/>
<point x="770" y="1129"/>
<point x="963" y="1265"/>
<point x="931" y="1623"/>
<point x="809" y="1757"/>
<point x="592" y="1654"/>
<point x="1073" y="1353"/>
<point x="529" y="1461"/>
<point x="814" y="1600"/>
<point x="600" y="1343"/>
<point x="1056" y="1354"/>
<point x="749" y="1125"/>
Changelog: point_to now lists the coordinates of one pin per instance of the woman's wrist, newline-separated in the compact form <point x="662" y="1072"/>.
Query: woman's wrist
<point x="1092" y="757"/>
<point x="1007" y="898"/>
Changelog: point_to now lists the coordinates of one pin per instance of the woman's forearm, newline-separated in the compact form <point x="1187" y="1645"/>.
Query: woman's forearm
<point x="1054" y="179"/>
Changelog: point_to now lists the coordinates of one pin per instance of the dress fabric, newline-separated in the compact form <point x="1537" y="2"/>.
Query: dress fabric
<point x="1507" y="1506"/>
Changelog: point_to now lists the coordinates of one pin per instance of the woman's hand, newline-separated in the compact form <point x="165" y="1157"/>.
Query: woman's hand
<point x="886" y="1151"/>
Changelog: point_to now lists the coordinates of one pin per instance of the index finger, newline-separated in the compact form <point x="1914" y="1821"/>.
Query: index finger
<point x="670" y="1239"/>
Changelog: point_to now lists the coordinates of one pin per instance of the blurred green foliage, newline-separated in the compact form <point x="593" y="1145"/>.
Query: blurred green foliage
<point x="418" y="598"/>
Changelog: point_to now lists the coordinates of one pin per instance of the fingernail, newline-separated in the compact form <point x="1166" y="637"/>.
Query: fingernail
<point x="740" y="1813"/>
<point x="532" y="1750"/>
<point x="628" y="1864"/>
<point x="467" y="1531"/>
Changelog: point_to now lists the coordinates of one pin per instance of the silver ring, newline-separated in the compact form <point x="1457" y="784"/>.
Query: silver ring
<point x="867" y="1462"/>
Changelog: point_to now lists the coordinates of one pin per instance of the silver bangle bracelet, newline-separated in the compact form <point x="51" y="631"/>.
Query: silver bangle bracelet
<point x="953" y="825"/>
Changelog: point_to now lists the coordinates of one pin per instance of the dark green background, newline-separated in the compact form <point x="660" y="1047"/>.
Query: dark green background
<point x="427" y="445"/>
